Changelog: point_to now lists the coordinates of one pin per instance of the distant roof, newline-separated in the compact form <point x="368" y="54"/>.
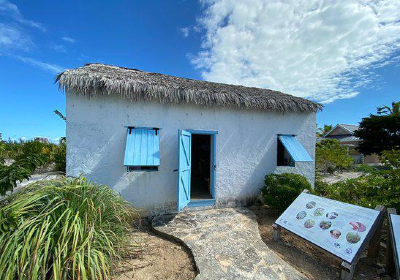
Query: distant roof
<point x="136" y="85"/>
<point x="345" y="138"/>
<point x="350" y="128"/>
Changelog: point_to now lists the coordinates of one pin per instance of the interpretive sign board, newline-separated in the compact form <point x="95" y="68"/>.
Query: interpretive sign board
<point x="395" y="231"/>
<point x="337" y="227"/>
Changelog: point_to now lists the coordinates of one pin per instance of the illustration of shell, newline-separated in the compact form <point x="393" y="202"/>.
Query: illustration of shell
<point x="332" y="215"/>
<point x="319" y="212"/>
<point x="309" y="223"/>
<point x="357" y="226"/>
<point x="353" y="237"/>
<point x="310" y="205"/>
<point x="335" y="233"/>
<point x="301" y="215"/>
<point x="325" y="224"/>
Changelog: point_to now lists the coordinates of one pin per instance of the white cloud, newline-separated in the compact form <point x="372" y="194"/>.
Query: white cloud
<point x="55" y="69"/>
<point x="12" y="11"/>
<point x="323" y="50"/>
<point x="185" y="31"/>
<point x="12" y="34"/>
<point x="12" y="38"/>
<point x="68" y="40"/>
<point x="58" y="48"/>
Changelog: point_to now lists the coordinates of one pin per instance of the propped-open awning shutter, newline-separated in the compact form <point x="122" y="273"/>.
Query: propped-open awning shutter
<point x="142" y="147"/>
<point x="295" y="148"/>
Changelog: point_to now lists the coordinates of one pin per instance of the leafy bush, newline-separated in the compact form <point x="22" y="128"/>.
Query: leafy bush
<point x="18" y="150"/>
<point x="68" y="229"/>
<point x="330" y="156"/>
<point x="377" y="188"/>
<point x="280" y="190"/>
<point x="10" y="149"/>
<point x="365" y="168"/>
<point x="321" y="188"/>
<point x="27" y="157"/>
<point x="32" y="147"/>
<point x="18" y="171"/>
<point x="391" y="159"/>
<point x="59" y="156"/>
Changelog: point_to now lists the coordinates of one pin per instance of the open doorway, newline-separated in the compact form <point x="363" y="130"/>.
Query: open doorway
<point x="201" y="167"/>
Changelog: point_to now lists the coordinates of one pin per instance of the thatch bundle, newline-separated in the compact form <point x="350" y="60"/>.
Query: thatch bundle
<point x="136" y="85"/>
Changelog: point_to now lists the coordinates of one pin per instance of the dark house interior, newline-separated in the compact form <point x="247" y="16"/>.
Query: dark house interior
<point x="201" y="167"/>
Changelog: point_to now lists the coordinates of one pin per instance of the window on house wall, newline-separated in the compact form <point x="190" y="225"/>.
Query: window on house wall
<point x="290" y="151"/>
<point x="142" y="151"/>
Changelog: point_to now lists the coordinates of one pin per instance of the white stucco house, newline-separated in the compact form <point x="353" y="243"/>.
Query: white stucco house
<point x="166" y="143"/>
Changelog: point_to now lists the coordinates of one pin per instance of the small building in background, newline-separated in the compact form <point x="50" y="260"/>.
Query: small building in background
<point x="41" y="139"/>
<point x="344" y="133"/>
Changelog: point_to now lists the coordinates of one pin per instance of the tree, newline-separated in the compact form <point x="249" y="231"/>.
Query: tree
<point x="330" y="156"/>
<point x="321" y="131"/>
<point x="386" y="110"/>
<point x="58" y="113"/>
<point x="380" y="132"/>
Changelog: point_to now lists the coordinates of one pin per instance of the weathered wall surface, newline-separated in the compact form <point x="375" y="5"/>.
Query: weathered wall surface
<point x="246" y="146"/>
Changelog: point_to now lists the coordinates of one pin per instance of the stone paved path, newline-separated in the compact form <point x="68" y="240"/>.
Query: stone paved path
<point x="226" y="244"/>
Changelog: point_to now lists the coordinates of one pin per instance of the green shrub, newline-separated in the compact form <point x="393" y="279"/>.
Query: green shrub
<point x="377" y="188"/>
<point x="321" y="188"/>
<point x="28" y="156"/>
<point x="65" y="229"/>
<point x="280" y="190"/>
<point x="35" y="148"/>
<point x="365" y="168"/>
<point x="19" y="170"/>
<point x="391" y="159"/>
<point x="59" y="156"/>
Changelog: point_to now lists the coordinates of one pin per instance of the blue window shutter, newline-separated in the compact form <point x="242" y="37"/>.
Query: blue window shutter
<point x="294" y="148"/>
<point x="142" y="147"/>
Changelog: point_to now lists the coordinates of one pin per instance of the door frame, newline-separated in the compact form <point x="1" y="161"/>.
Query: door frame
<point x="213" y="167"/>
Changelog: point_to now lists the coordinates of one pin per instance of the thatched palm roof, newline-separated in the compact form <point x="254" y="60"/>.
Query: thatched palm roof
<point x="101" y="79"/>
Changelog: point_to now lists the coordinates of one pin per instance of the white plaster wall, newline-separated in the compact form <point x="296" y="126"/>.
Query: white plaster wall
<point x="246" y="146"/>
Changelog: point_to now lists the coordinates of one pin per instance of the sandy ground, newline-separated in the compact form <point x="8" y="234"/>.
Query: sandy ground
<point x="164" y="259"/>
<point x="311" y="262"/>
<point x="159" y="259"/>
<point x="336" y="177"/>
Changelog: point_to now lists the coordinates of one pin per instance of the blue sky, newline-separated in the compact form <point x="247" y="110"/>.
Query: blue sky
<point x="344" y="55"/>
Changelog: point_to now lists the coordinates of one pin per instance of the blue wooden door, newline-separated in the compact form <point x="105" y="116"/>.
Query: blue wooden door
<point x="185" y="159"/>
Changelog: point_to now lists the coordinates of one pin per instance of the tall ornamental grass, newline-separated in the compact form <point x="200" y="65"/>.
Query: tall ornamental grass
<point x="68" y="229"/>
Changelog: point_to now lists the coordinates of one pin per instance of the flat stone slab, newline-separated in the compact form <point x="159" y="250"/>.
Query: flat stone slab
<point x="225" y="244"/>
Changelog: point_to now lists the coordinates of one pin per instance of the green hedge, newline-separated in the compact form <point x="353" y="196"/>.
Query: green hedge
<point x="281" y="190"/>
<point x="377" y="188"/>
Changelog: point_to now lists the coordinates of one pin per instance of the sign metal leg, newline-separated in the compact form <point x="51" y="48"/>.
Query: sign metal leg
<point x="277" y="232"/>
<point x="374" y="244"/>
<point x="390" y="265"/>
<point x="347" y="272"/>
